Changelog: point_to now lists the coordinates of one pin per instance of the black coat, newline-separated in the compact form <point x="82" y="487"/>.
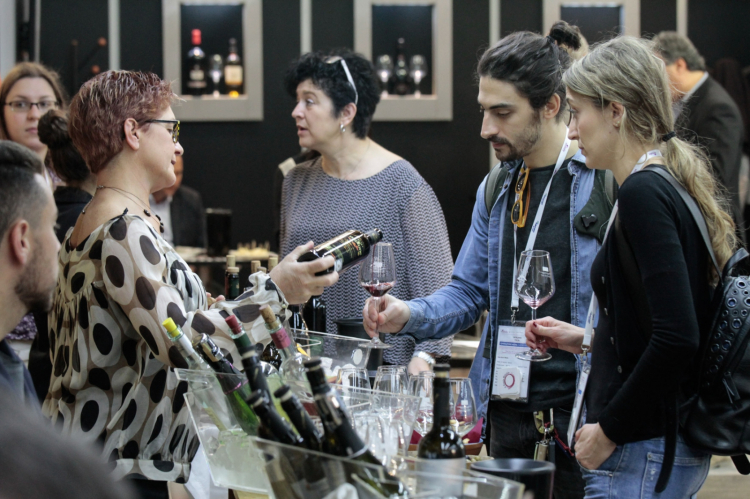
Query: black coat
<point x="711" y="119"/>
<point x="188" y="218"/>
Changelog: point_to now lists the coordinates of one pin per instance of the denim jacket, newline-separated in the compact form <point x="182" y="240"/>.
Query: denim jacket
<point x="475" y="283"/>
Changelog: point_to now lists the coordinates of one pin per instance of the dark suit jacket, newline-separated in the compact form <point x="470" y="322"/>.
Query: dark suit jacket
<point x="188" y="218"/>
<point x="711" y="119"/>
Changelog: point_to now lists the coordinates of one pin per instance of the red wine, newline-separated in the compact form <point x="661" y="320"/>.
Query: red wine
<point x="348" y="249"/>
<point x="196" y="66"/>
<point x="379" y="289"/>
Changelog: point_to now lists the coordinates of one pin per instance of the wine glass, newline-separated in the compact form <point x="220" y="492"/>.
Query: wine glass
<point x="417" y="71"/>
<point x="535" y="284"/>
<point x="377" y="275"/>
<point x="384" y="70"/>
<point x="391" y="379"/>
<point x="216" y="70"/>
<point x="353" y="376"/>
<point x="463" y="407"/>
<point x="420" y="385"/>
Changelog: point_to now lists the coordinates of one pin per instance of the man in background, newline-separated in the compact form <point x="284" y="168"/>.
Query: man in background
<point x="181" y="211"/>
<point x="705" y="113"/>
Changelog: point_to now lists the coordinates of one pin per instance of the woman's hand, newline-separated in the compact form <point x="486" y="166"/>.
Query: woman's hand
<point x="549" y="332"/>
<point x="297" y="280"/>
<point x="592" y="446"/>
<point x="417" y="365"/>
<point x="393" y="316"/>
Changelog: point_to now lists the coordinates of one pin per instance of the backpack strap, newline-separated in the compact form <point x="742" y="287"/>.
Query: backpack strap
<point x="494" y="185"/>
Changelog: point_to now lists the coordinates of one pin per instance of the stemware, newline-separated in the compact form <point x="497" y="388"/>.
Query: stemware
<point x="417" y="71"/>
<point x="377" y="275"/>
<point x="353" y="376"/>
<point x="463" y="406"/>
<point x="420" y="385"/>
<point x="535" y="284"/>
<point x="391" y="379"/>
<point x="384" y="70"/>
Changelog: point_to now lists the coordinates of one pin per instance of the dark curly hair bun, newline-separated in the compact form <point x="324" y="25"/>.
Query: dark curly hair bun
<point x="566" y="35"/>
<point x="66" y="160"/>
<point x="53" y="129"/>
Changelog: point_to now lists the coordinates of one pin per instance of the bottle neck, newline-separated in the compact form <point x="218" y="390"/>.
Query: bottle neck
<point x="441" y="402"/>
<point x="194" y="361"/>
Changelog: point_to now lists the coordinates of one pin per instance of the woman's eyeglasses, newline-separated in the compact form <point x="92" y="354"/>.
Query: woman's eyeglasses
<point x="520" y="209"/>
<point x="23" y="106"/>
<point x="175" y="131"/>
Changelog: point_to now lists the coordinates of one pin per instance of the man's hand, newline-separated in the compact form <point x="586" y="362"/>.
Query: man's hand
<point x="549" y="332"/>
<point x="417" y="365"/>
<point x="297" y="280"/>
<point x="393" y="316"/>
<point x="592" y="446"/>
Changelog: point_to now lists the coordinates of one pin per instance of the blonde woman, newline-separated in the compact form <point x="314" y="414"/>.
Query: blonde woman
<point x="621" y="116"/>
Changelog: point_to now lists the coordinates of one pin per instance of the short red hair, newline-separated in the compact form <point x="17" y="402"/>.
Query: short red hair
<point x="102" y="105"/>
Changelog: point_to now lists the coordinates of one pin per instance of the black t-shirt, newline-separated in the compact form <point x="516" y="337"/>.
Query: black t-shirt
<point x="552" y="382"/>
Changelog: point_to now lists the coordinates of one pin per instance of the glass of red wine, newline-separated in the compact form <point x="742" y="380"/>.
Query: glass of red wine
<point x="377" y="275"/>
<point x="535" y="284"/>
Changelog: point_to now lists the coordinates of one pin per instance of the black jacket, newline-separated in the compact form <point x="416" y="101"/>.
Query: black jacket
<point x="711" y="119"/>
<point x="188" y="218"/>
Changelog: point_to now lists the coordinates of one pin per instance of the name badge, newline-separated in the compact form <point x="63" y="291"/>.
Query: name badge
<point x="511" y="376"/>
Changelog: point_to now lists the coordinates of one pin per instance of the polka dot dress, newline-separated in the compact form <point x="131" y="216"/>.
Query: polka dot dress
<point x="113" y="380"/>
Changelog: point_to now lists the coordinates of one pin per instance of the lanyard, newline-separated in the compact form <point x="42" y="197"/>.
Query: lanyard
<point x="535" y="226"/>
<point x="594" y="306"/>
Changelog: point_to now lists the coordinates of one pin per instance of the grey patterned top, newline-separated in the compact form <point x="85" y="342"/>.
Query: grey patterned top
<point x="397" y="200"/>
<point x="113" y="379"/>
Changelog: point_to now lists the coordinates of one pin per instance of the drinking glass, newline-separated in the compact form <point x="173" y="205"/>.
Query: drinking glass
<point x="353" y="376"/>
<point x="418" y="70"/>
<point x="535" y="284"/>
<point x="384" y="70"/>
<point x="420" y="385"/>
<point x="391" y="379"/>
<point x="463" y="406"/>
<point x="377" y="275"/>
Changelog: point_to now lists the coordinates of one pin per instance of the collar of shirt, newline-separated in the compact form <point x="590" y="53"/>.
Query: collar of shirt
<point x="690" y="92"/>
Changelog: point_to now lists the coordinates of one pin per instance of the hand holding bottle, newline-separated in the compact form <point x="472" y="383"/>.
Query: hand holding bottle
<point x="297" y="280"/>
<point x="393" y="316"/>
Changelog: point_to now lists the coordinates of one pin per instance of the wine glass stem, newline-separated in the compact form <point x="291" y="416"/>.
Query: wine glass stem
<point x="376" y="304"/>
<point x="533" y="314"/>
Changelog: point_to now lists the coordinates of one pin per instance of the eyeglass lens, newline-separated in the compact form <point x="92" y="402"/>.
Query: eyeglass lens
<point x="22" y="106"/>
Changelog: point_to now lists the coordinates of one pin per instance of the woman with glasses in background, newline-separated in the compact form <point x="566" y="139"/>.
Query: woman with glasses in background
<point x="112" y="379"/>
<point x="358" y="184"/>
<point x="28" y="91"/>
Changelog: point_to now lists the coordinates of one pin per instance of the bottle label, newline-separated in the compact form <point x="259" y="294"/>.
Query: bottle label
<point x="451" y="472"/>
<point x="197" y="78"/>
<point x="233" y="75"/>
<point x="346" y="250"/>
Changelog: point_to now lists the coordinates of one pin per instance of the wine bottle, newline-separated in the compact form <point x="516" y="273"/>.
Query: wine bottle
<point x="441" y="448"/>
<point x="196" y="66"/>
<point x="272" y="425"/>
<point x="193" y="360"/>
<point x="314" y="313"/>
<point x="231" y="279"/>
<point x="233" y="383"/>
<point x="292" y="368"/>
<point x="341" y="439"/>
<point x="401" y="83"/>
<point x="233" y="70"/>
<point x="272" y="356"/>
<point x="348" y="249"/>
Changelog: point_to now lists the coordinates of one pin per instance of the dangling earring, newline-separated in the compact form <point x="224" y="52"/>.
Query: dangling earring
<point x="342" y="127"/>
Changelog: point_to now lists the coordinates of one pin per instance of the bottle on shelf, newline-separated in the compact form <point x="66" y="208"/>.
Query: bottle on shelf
<point x="232" y="279"/>
<point x="314" y="314"/>
<point x="233" y="383"/>
<point x="341" y="439"/>
<point x="297" y="326"/>
<point x="216" y="70"/>
<point x="442" y="448"/>
<point x="233" y="74"/>
<point x="291" y="368"/>
<point x="196" y="66"/>
<point x="401" y="83"/>
<point x="273" y="261"/>
<point x="348" y="249"/>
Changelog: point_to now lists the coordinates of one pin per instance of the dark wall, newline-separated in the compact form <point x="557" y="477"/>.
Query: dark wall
<point x="232" y="164"/>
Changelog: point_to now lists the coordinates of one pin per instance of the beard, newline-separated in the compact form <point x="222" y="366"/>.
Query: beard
<point x="523" y="144"/>
<point x="30" y="289"/>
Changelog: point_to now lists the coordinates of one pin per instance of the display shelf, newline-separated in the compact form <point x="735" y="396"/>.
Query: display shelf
<point x="248" y="106"/>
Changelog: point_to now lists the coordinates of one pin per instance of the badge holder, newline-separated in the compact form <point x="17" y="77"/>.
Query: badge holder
<point x="511" y="375"/>
<point x="545" y="448"/>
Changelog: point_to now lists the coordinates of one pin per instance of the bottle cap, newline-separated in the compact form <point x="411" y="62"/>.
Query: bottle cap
<point x="283" y="393"/>
<point x="233" y="324"/>
<point x="442" y="370"/>
<point x="270" y="317"/>
<point x="272" y="262"/>
<point x="231" y="261"/>
<point x="196" y="33"/>
<point x="209" y="348"/>
<point x="375" y="235"/>
<point x="256" y="398"/>
<point x="171" y="327"/>
<point x="312" y="364"/>
<point x="254" y="264"/>
<point x="233" y="270"/>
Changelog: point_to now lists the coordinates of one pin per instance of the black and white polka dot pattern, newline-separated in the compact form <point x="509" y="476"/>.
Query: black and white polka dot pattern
<point x="112" y="378"/>
<point x="397" y="200"/>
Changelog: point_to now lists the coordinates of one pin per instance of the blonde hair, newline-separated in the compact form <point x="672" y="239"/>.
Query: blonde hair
<point x="627" y="71"/>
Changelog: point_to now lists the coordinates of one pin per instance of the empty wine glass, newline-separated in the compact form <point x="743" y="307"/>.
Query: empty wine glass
<point x="216" y="70"/>
<point x="377" y="275"/>
<point x="391" y="379"/>
<point x="463" y="407"/>
<point x="535" y="284"/>
<point x="353" y="376"/>
<point x="384" y="70"/>
<point x="417" y="71"/>
<point x="420" y="385"/>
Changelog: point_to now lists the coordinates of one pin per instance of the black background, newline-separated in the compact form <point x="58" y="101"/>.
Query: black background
<point x="232" y="164"/>
<point x="597" y="23"/>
